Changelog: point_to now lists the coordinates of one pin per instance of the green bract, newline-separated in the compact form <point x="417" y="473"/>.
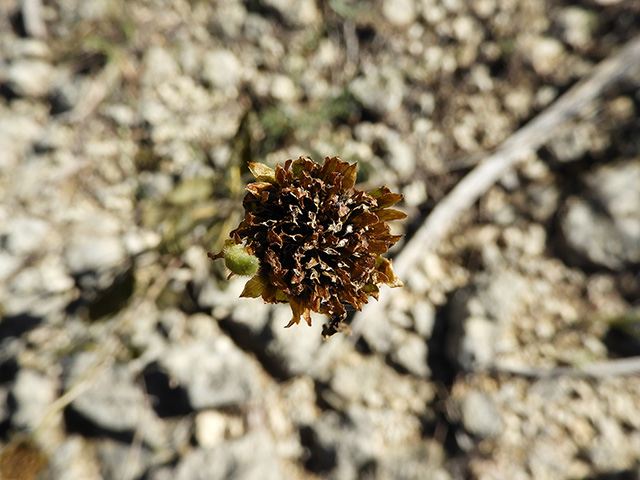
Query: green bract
<point x="240" y="261"/>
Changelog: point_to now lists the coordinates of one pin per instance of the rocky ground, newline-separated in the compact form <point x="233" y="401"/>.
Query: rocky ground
<point x="125" y="131"/>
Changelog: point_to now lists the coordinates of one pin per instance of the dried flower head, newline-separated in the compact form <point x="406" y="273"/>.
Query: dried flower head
<point x="317" y="239"/>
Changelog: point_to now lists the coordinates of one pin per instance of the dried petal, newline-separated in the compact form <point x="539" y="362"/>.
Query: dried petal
<point x="299" y="310"/>
<point x="388" y="200"/>
<point x="350" y="177"/>
<point x="384" y="197"/>
<point x="257" y="188"/>
<point x="389" y="214"/>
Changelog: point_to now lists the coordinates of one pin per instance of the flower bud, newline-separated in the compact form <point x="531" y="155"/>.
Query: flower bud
<point x="240" y="261"/>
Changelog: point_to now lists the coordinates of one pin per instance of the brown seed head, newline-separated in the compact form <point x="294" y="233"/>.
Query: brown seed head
<point x="318" y="239"/>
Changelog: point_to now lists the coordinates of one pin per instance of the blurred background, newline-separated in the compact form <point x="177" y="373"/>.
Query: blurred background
<point x="125" y="132"/>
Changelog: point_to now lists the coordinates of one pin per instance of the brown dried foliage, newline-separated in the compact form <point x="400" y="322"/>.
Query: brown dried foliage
<point x="319" y="240"/>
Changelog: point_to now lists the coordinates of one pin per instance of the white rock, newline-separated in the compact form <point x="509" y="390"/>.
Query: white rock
<point x="33" y="393"/>
<point x="545" y="54"/>
<point x="224" y="375"/>
<point x="402" y="157"/>
<point x="283" y="88"/>
<point x="222" y="69"/>
<point x="75" y="460"/>
<point x="297" y="12"/>
<point x="137" y="242"/>
<point x="155" y="112"/>
<point x="231" y="17"/>
<point x="480" y="416"/>
<point x="8" y="266"/>
<point x="326" y="54"/>
<point x="252" y="457"/>
<point x="159" y="65"/>
<point x="112" y="399"/>
<point x="55" y="278"/>
<point x="577" y="26"/>
<point x="30" y="78"/>
<point x="399" y="12"/>
<point x="27" y="281"/>
<point x="433" y="11"/>
<point x="93" y="252"/>
<point x="411" y="354"/>
<point x="295" y="347"/>
<point x="466" y="29"/>
<point x="424" y="317"/>
<point x="17" y="132"/>
<point x="30" y="48"/>
<point x="484" y="8"/>
<point x="210" y="427"/>
<point x="453" y="6"/>
<point x="380" y="89"/>
<point x="477" y="346"/>
<point x="120" y="460"/>
<point x="26" y="235"/>
<point x="121" y="113"/>
<point x="94" y="10"/>
<point x="611" y="451"/>
<point x="415" y="193"/>
<point x="606" y="236"/>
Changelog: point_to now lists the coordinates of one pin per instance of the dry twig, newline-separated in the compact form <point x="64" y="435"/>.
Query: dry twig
<point x="609" y="368"/>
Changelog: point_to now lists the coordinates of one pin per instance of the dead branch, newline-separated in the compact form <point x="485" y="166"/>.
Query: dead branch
<point x="609" y="368"/>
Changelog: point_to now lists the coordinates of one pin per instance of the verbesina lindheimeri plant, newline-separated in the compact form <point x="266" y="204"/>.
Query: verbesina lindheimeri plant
<point x="311" y="239"/>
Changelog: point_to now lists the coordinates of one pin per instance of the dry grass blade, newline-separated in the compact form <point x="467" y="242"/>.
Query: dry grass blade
<point x="529" y="138"/>
<point x="610" y="368"/>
